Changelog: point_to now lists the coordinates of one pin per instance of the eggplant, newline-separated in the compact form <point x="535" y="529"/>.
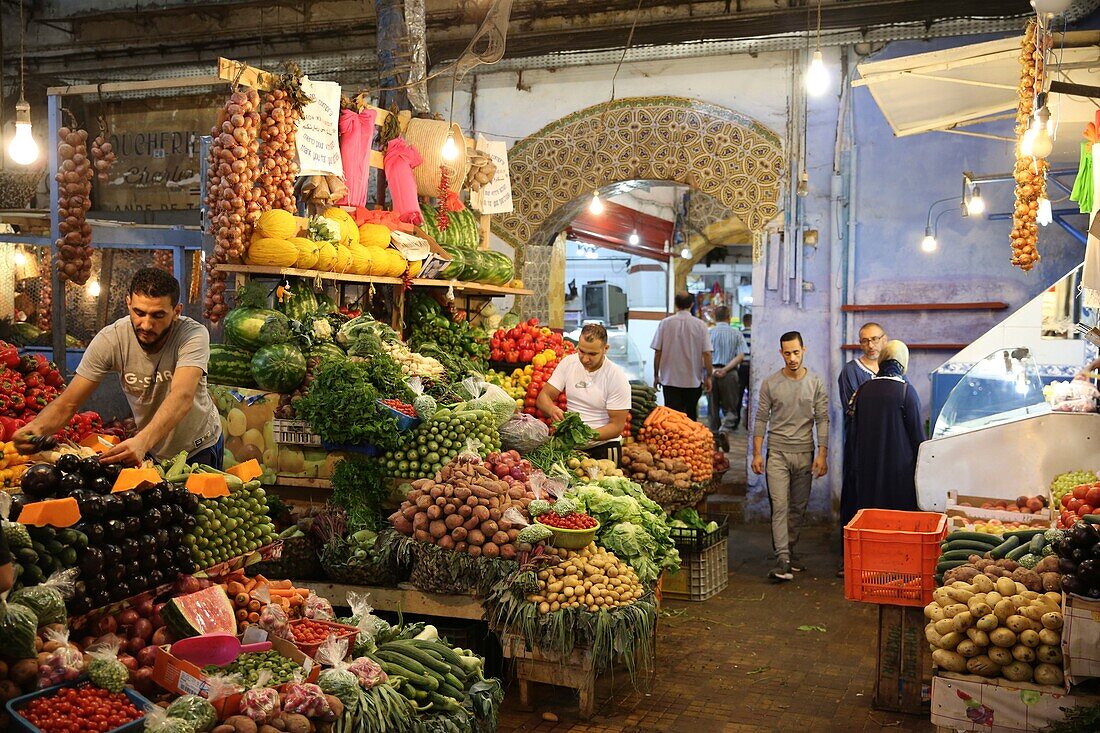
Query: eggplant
<point x="115" y="530"/>
<point x="70" y="484"/>
<point x="120" y="591"/>
<point x="115" y="573"/>
<point x="95" y="533"/>
<point x="175" y="535"/>
<point x="1067" y="566"/>
<point x="189" y="522"/>
<point x="1093" y="593"/>
<point x="17" y="503"/>
<point x="90" y="467"/>
<point x="162" y="538"/>
<point x="112" y="506"/>
<point x="1089" y="572"/>
<point x="190" y="503"/>
<point x="100" y="598"/>
<point x="101" y="485"/>
<point x="133" y="526"/>
<point x="151" y="519"/>
<point x="154" y="497"/>
<point x="1084" y="535"/>
<point x="148" y="560"/>
<point x="1072" y="584"/>
<point x="96" y="583"/>
<point x="79" y="605"/>
<point x="91" y="507"/>
<point x="147" y="544"/>
<point x="112" y="470"/>
<point x="112" y="554"/>
<point x="132" y="503"/>
<point x="68" y="463"/>
<point x="130" y="549"/>
<point x="133" y="568"/>
<point x="40" y="481"/>
<point x="156" y="578"/>
<point x="91" y="562"/>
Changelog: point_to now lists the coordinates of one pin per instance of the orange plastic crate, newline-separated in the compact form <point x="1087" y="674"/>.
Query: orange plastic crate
<point x="890" y="556"/>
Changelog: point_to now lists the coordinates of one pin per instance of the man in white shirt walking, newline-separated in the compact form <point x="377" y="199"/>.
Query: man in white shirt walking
<point x="595" y="388"/>
<point x="681" y="358"/>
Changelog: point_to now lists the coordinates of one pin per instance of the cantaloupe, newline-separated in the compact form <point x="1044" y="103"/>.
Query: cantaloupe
<point x="343" y="259"/>
<point x="271" y="252"/>
<point x="349" y="230"/>
<point x="326" y="257"/>
<point x="277" y="224"/>
<point x="308" y="252"/>
<point x="374" y="235"/>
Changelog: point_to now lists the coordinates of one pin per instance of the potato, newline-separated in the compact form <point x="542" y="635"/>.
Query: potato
<point x="945" y="626"/>
<point x="224" y="728"/>
<point x="983" y="665"/>
<point x="1023" y="653"/>
<point x="1049" y="654"/>
<point x="1054" y="597"/>
<point x="968" y="648"/>
<point x="950" y="640"/>
<point x="1050" y="637"/>
<point x="963" y="621"/>
<point x="1052" y="620"/>
<point x="1003" y="637"/>
<point x="940" y="597"/>
<point x="961" y="595"/>
<point x="1029" y="638"/>
<point x="950" y="661"/>
<point x="978" y="636"/>
<point x="988" y="622"/>
<point x="1017" y="671"/>
<point x="982" y="584"/>
<point x="954" y="610"/>
<point x="1000" y="655"/>
<point x="242" y="724"/>
<point x="993" y="598"/>
<point x="296" y="723"/>
<point x="1005" y="586"/>
<point x="979" y="608"/>
<point x="933" y="611"/>
<point x="1017" y="623"/>
<point x="1048" y="674"/>
<point x="930" y="634"/>
<point x="1004" y="609"/>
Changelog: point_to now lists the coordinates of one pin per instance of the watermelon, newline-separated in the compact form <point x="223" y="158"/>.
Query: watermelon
<point x="207" y="612"/>
<point x="499" y="269"/>
<point x="462" y="229"/>
<point x="301" y="301"/>
<point x="242" y="326"/>
<point x="454" y="270"/>
<point x="327" y="350"/>
<point x="325" y="303"/>
<point x="230" y="366"/>
<point x="279" y="367"/>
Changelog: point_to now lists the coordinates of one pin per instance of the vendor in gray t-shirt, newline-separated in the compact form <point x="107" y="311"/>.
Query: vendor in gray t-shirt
<point x="160" y="358"/>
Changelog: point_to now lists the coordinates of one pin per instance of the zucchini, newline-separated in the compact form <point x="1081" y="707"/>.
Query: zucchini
<point x="977" y="547"/>
<point x="1018" y="552"/>
<point x="423" y="681"/>
<point x="1035" y="547"/>
<point x="1004" y="548"/>
<point x="449" y="655"/>
<point x="446" y="704"/>
<point x="451" y="680"/>
<point x="455" y="693"/>
<point x="417" y="654"/>
<point x="985" y="539"/>
<point x="957" y="555"/>
<point x="1025" y="535"/>
<point x="945" y="565"/>
<point x="1091" y="518"/>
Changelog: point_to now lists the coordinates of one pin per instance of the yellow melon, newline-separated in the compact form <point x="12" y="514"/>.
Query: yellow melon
<point x="326" y="256"/>
<point x="308" y="252"/>
<point x="362" y="259"/>
<point x="343" y="259"/>
<point x="349" y="230"/>
<point x="271" y="252"/>
<point x="414" y="268"/>
<point x="277" y="223"/>
<point x="374" y="235"/>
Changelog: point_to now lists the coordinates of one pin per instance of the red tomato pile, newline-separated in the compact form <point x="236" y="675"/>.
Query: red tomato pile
<point x="518" y="345"/>
<point x="1084" y="499"/>
<point x="539" y="376"/>
<point x="83" y="709"/>
<point x="308" y="631"/>
<point x="400" y="406"/>
<point x="576" y="520"/>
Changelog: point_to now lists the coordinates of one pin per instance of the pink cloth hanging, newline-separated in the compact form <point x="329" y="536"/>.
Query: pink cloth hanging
<point x="356" y="138"/>
<point x="401" y="158"/>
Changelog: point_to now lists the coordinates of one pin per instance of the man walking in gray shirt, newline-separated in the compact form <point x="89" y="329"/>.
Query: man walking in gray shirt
<point x="791" y="403"/>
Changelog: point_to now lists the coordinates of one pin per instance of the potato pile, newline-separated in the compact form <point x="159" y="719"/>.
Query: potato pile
<point x="462" y="509"/>
<point x="1043" y="577"/>
<point x="643" y="466"/>
<point x="1029" y="172"/>
<point x="74" y="198"/>
<point x="592" y="578"/>
<point x="278" y="124"/>
<point x="593" y="469"/>
<point x="230" y="198"/>
<point x="996" y="629"/>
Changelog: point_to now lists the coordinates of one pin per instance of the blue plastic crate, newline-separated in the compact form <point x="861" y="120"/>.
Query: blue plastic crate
<point x="370" y="451"/>
<point x="19" y="723"/>
<point x="404" y="422"/>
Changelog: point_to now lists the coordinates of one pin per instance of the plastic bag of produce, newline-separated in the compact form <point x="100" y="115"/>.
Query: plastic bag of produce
<point x="368" y="672"/>
<point x="363" y="618"/>
<point x="63" y="663"/>
<point x="337" y="680"/>
<point x="305" y="698"/>
<point x="18" y="626"/>
<point x="273" y="618"/>
<point x="318" y="608"/>
<point x="1075" y="396"/>
<point x="47" y="599"/>
<point x="544" y="487"/>
<point x="482" y="395"/>
<point x="195" y="710"/>
<point x="157" y="720"/>
<point x="261" y="703"/>
<point x="523" y="433"/>
<point x="104" y="669"/>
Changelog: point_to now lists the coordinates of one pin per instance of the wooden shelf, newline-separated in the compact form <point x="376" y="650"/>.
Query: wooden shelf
<point x="302" y="482"/>
<point x="897" y="307"/>
<point x="472" y="287"/>
<point x="400" y="599"/>
<point x="917" y="347"/>
<point x="477" y="288"/>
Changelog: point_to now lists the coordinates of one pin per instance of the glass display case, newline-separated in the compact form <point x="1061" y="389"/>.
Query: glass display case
<point x="1003" y="387"/>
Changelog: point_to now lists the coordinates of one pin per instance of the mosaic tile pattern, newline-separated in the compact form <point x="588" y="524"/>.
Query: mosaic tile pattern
<point x="536" y="276"/>
<point x="727" y="156"/>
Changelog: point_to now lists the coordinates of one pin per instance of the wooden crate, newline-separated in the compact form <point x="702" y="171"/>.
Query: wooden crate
<point x="577" y="671"/>
<point x="903" y="668"/>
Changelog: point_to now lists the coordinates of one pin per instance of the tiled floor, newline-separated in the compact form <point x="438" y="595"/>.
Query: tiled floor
<point x="738" y="663"/>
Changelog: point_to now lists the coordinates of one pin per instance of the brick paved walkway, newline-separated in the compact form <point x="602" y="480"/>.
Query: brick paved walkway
<point x="738" y="663"/>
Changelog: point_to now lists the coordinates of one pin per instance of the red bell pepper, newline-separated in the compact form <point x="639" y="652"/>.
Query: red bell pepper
<point x="9" y="355"/>
<point x="34" y="380"/>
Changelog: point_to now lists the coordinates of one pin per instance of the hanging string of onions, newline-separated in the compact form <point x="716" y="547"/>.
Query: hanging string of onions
<point x="279" y="115"/>
<point x="1029" y="171"/>
<point x="74" y="191"/>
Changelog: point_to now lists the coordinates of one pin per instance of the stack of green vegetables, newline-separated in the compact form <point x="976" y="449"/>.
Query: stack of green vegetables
<point x="633" y="526"/>
<point x="438" y="440"/>
<point x="457" y="345"/>
<point x="342" y="403"/>
<point x="570" y="434"/>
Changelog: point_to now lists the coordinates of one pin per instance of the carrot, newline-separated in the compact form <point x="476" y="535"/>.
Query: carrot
<point x="276" y="592"/>
<point x="254" y="618"/>
<point x="280" y="584"/>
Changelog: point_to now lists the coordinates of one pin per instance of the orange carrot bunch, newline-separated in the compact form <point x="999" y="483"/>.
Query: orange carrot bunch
<point x="672" y="434"/>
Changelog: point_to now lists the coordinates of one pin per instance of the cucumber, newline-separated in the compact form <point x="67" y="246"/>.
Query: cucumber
<point x="1025" y="535"/>
<point x="957" y="555"/>
<point x="978" y="547"/>
<point x="1018" y="552"/>
<point x="451" y="680"/>
<point x="1091" y="518"/>
<point x="443" y="650"/>
<point x="455" y="693"/>
<point x="1004" y="548"/>
<point x="417" y="654"/>
<point x="945" y="565"/>
<point x="1035" y="547"/>
<point x="423" y="681"/>
<point x="985" y="539"/>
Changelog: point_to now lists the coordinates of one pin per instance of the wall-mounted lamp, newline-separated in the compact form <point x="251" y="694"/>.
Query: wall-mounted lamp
<point x="973" y="203"/>
<point x="930" y="243"/>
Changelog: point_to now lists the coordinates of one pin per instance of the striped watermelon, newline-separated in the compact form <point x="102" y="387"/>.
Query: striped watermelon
<point x="242" y="326"/>
<point x="327" y="350"/>
<point x="461" y="232"/>
<point x="230" y="366"/>
<point x="279" y="367"/>
<point x="301" y="301"/>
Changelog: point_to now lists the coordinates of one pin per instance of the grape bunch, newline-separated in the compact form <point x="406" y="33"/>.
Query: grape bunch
<point x="1063" y="483"/>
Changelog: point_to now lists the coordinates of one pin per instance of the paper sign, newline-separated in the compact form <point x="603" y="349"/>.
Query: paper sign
<point x="496" y="196"/>
<point x="53" y="513"/>
<point x="131" y="478"/>
<point x="318" y="138"/>
<point x="246" y="471"/>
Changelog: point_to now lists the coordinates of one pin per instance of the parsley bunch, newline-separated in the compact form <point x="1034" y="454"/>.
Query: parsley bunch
<point x="342" y="407"/>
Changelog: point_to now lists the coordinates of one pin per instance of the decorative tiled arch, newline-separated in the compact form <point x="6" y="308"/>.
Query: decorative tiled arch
<point x="719" y="152"/>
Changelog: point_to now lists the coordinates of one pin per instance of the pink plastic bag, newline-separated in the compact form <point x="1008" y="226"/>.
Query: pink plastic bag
<point x="356" y="137"/>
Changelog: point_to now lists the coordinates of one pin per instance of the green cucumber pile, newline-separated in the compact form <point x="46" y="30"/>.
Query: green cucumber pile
<point x="231" y="526"/>
<point x="432" y="672"/>
<point x="1025" y="546"/>
<point x="437" y="441"/>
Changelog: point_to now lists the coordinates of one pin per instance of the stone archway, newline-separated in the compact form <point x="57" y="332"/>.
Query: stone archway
<point x="730" y="157"/>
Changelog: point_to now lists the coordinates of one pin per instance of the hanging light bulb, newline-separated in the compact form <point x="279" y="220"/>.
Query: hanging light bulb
<point x="1041" y="142"/>
<point x="23" y="149"/>
<point x="634" y="238"/>
<point x="450" y="148"/>
<point x="685" y="253"/>
<point x="803" y="189"/>
<point x="20" y="258"/>
<point x="595" y="206"/>
<point x="817" y="76"/>
<point x="929" y="243"/>
<point x="93" y="288"/>
<point x="976" y="205"/>
<point x="1044" y="215"/>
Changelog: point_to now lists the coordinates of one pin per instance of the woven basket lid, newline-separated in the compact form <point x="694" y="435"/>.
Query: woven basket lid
<point x="428" y="137"/>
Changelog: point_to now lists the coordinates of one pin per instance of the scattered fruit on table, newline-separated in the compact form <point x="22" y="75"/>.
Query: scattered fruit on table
<point x="1063" y="484"/>
<point x="592" y="578"/>
<point x="1022" y="504"/>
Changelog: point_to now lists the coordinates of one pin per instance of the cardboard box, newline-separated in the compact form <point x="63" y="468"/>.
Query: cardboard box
<point x="965" y="702"/>
<point x="1080" y="638"/>
<point x="184" y="678"/>
<point x="903" y="669"/>
<point x="975" y="511"/>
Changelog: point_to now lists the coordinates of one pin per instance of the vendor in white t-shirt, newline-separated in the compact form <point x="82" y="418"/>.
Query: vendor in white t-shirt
<point x="595" y="389"/>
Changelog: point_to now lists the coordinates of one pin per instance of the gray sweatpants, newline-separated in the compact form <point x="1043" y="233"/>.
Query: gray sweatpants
<point x="724" y="403"/>
<point x="789" y="479"/>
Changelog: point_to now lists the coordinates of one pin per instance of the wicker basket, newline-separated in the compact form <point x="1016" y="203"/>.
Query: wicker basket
<point x="672" y="499"/>
<point x="299" y="561"/>
<point x="373" y="573"/>
<point x="17" y="189"/>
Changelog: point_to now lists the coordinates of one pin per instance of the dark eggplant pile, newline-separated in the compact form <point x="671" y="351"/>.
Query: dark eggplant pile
<point x="1079" y="560"/>
<point x="71" y="476"/>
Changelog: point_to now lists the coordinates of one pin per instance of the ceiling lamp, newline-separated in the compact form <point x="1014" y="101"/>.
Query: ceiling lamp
<point x="1042" y="144"/>
<point x="817" y="76"/>
<point x="634" y="238"/>
<point x="595" y="206"/>
<point x="450" y="149"/>
<point x="23" y="149"/>
<point x="1051" y="7"/>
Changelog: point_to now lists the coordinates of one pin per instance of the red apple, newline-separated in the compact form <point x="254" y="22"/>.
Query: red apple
<point x="1035" y="504"/>
<point x="1080" y="492"/>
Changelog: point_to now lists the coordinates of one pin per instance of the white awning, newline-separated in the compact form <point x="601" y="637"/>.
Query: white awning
<point x="958" y="88"/>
